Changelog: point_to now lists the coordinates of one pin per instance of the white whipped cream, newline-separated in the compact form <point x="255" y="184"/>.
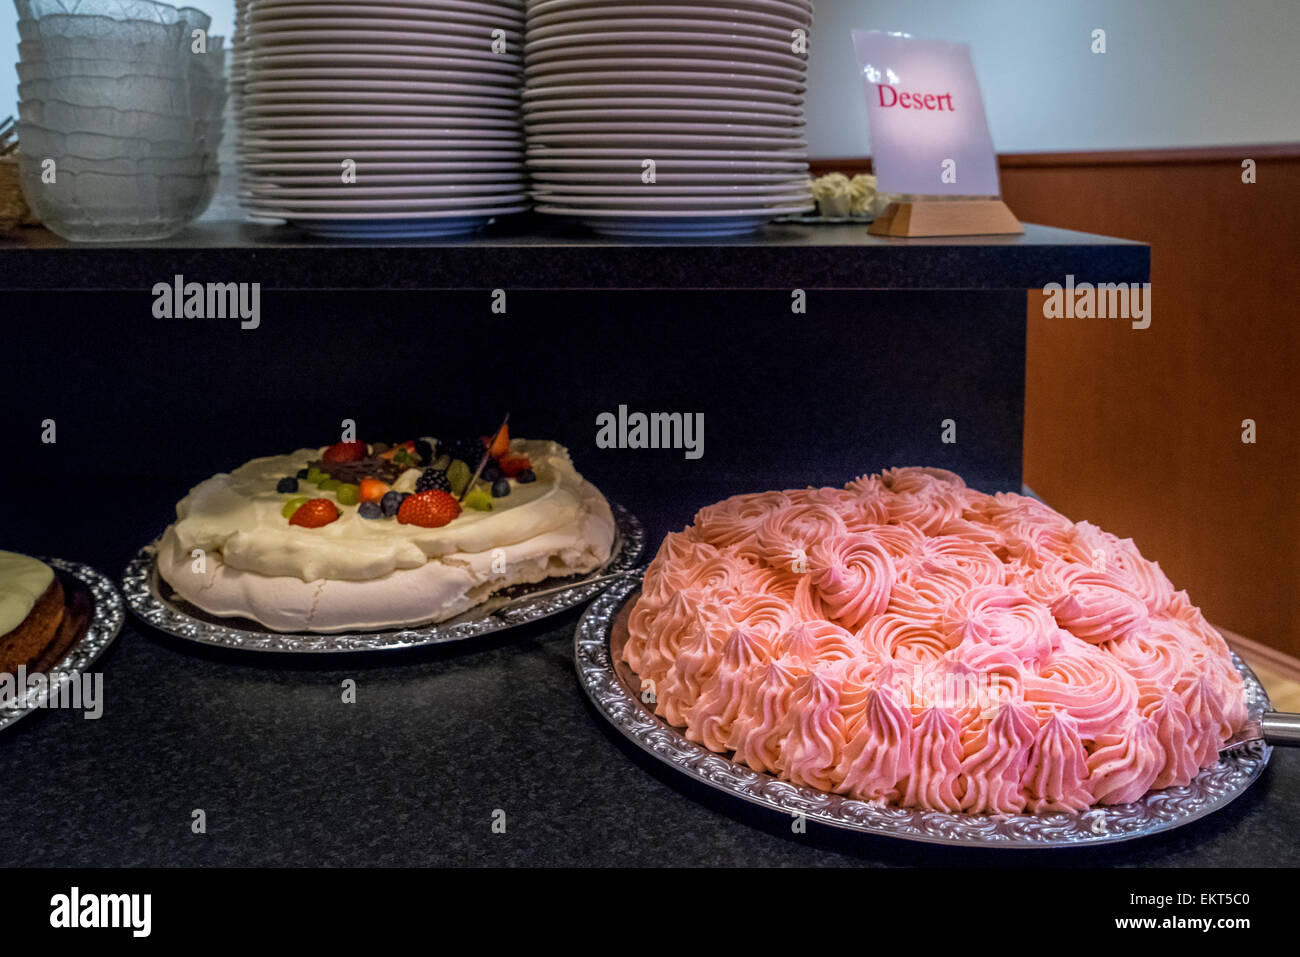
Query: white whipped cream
<point x="237" y="515"/>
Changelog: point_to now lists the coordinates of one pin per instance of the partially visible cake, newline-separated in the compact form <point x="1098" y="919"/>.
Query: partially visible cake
<point x="31" y="610"/>
<point x="911" y="641"/>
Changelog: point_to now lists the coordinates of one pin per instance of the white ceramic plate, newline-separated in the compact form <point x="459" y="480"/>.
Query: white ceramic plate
<point x="687" y="118"/>
<point x="371" y="163"/>
<point x="583" y="106"/>
<point x="367" y="86"/>
<point x="665" y="141"/>
<point x="264" y="29"/>
<point x="461" y="204"/>
<point x="373" y="154"/>
<point x="431" y="123"/>
<point x="631" y="176"/>
<point x="693" y="204"/>
<point x="450" y="9"/>
<point x="506" y="87"/>
<point x="543" y="154"/>
<point x="658" y="67"/>
<point x="665" y="42"/>
<point x="369" y="189"/>
<point x="579" y="81"/>
<point x="382" y="55"/>
<point x="680" y="26"/>
<point x="474" y="49"/>
<point x="469" y="194"/>
<point x="635" y="213"/>
<point x="540" y="15"/>
<point x="661" y="89"/>
<point x="594" y="191"/>
<point x="781" y="8"/>
<point x="324" y="105"/>
<point x="641" y="128"/>
<point x="367" y="178"/>
<point x="350" y="148"/>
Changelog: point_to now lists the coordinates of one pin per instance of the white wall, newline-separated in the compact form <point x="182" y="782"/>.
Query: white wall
<point x="1176" y="72"/>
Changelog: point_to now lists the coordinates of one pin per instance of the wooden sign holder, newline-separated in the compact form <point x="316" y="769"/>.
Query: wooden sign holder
<point x="967" y="217"/>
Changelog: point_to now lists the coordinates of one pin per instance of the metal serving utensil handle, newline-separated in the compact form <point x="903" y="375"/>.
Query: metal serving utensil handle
<point x="1280" y="727"/>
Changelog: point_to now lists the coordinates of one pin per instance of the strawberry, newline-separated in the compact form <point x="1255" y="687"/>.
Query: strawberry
<point x="497" y="445"/>
<point x="372" y="489"/>
<point x="431" y="509"/>
<point x="512" y="465"/>
<point x="314" y="513"/>
<point x="345" y="452"/>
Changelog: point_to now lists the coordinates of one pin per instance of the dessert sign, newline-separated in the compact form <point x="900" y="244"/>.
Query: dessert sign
<point x="929" y="135"/>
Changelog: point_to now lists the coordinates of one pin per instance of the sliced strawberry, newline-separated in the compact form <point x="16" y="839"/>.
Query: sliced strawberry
<point x="512" y="465"/>
<point x="345" y="452"/>
<point x="314" y="513"/>
<point x="431" y="509"/>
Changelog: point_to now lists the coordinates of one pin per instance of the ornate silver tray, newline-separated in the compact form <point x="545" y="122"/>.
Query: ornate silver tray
<point x="93" y="616"/>
<point x="614" y="690"/>
<point x="156" y="604"/>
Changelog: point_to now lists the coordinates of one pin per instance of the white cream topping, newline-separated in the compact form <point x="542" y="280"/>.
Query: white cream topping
<point x="238" y="515"/>
<point x="23" y="580"/>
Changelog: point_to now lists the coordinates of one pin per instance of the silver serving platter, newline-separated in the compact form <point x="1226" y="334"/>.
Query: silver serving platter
<point x="103" y="624"/>
<point x="613" y="691"/>
<point x="153" y="601"/>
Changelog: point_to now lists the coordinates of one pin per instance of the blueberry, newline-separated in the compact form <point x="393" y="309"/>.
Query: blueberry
<point x="491" y="472"/>
<point x="390" y="503"/>
<point x="303" y="473"/>
<point x="501" y="488"/>
<point x="370" y="510"/>
<point x="526" y="475"/>
<point x="287" y="485"/>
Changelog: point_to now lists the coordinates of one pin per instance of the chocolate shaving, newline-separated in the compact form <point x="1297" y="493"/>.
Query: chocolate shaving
<point x="372" y="466"/>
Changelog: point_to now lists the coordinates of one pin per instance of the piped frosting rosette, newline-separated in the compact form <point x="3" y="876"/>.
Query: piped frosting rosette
<point x="912" y="641"/>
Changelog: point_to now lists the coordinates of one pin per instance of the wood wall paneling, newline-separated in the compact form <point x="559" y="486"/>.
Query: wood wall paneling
<point x="1140" y="431"/>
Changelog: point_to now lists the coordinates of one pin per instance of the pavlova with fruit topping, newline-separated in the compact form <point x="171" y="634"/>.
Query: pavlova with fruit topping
<point x="359" y="536"/>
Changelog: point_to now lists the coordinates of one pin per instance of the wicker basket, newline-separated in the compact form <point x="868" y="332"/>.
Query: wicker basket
<point x="13" y="208"/>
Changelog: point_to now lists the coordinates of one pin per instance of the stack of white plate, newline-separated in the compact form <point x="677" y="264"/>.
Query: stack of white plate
<point x="667" y="118"/>
<point x="380" y="118"/>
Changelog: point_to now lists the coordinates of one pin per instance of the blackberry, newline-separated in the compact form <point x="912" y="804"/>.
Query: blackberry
<point x="432" y="479"/>
<point x="468" y="451"/>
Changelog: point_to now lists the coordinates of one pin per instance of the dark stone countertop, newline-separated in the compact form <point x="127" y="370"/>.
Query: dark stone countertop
<point x="437" y="741"/>
<point x="531" y="252"/>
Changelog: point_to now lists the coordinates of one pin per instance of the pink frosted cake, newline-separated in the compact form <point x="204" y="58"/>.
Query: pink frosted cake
<point x="911" y="641"/>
